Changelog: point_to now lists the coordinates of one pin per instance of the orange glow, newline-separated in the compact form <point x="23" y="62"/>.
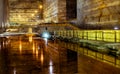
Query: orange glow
<point x="42" y="57"/>
<point x="30" y="38"/>
<point x="20" y="46"/>
<point x="19" y="16"/>
<point x="37" y="52"/>
<point x="30" y="34"/>
<point x="33" y="47"/>
<point x="32" y="14"/>
<point x="36" y="11"/>
<point x="40" y="6"/>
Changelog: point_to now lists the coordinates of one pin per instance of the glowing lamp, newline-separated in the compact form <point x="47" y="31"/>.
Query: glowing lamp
<point x="46" y="35"/>
<point x="116" y="28"/>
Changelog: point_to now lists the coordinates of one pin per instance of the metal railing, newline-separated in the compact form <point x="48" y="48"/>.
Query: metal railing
<point x="101" y="35"/>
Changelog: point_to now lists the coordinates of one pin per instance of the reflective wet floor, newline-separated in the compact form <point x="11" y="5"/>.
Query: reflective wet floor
<point x="33" y="55"/>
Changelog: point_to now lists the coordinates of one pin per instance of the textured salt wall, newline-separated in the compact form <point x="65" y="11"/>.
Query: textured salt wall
<point x="1" y="12"/>
<point x="59" y="10"/>
<point x="51" y="11"/>
<point x="62" y="10"/>
<point x="98" y="12"/>
<point x="54" y="10"/>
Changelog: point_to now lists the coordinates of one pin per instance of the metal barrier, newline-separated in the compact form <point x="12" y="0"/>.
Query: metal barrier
<point x="101" y="35"/>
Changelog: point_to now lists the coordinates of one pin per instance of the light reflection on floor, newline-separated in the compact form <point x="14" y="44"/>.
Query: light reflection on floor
<point x="21" y="56"/>
<point x="18" y="55"/>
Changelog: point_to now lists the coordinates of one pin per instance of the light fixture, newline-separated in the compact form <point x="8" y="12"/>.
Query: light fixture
<point x="45" y="35"/>
<point x="36" y="11"/>
<point x="19" y="16"/>
<point x="33" y="14"/>
<point x="116" y="28"/>
<point x="40" y="6"/>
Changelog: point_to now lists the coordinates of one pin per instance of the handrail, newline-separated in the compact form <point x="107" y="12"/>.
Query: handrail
<point x="101" y="35"/>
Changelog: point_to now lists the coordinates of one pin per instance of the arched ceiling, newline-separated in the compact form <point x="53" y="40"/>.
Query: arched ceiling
<point x="24" y="11"/>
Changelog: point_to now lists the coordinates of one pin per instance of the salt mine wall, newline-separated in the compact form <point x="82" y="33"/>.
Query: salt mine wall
<point x="3" y="15"/>
<point x="98" y="13"/>
<point x="1" y="12"/>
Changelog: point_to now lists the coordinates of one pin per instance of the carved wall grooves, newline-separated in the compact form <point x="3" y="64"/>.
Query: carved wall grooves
<point x="98" y="12"/>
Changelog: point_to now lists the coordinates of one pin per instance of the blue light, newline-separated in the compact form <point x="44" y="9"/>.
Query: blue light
<point x="46" y="35"/>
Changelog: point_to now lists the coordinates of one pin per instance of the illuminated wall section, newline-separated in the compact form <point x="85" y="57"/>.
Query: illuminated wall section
<point x="25" y="11"/>
<point x="62" y="11"/>
<point x="98" y="12"/>
<point x="59" y="11"/>
<point x="50" y="12"/>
